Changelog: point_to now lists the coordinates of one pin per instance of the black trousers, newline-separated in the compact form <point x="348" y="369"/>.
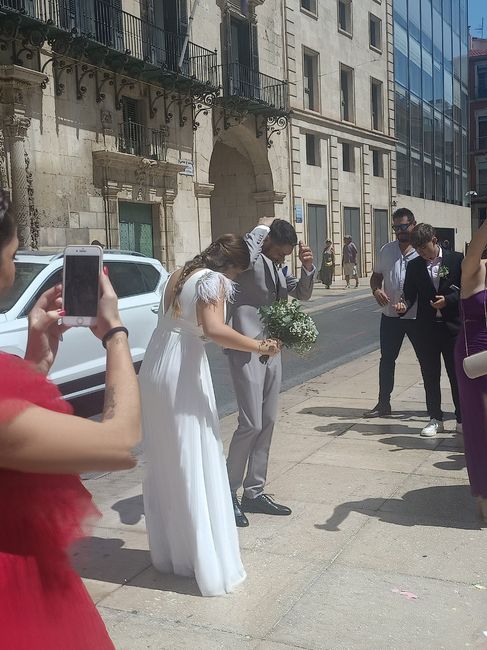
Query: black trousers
<point x="435" y="341"/>
<point x="392" y="333"/>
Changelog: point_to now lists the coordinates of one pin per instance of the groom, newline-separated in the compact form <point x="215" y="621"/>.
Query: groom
<point x="257" y="384"/>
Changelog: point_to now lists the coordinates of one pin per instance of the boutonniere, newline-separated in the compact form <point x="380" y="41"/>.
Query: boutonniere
<point x="443" y="272"/>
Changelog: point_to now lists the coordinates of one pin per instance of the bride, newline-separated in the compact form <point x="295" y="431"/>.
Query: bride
<point x="187" y="501"/>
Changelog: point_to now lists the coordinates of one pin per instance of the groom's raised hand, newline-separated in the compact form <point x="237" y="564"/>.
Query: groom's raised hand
<point x="306" y="256"/>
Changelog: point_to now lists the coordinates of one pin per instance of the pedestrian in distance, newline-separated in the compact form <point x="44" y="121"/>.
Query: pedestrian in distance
<point x="257" y="384"/>
<point x="187" y="501"/>
<point x="433" y="283"/>
<point x="349" y="261"/>
<point x="43" y="447"/>
<point x="386" y="283"/>
<point x="471" y="340"/>
<point x="327" y="269"/>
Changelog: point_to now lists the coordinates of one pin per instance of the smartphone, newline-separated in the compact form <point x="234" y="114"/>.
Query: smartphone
<point x="81" y="273"/>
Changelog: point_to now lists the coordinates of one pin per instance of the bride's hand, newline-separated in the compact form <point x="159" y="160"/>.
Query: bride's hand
<point x="270" y="347"/>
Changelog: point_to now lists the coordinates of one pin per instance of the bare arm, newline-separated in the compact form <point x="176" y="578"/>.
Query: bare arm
<point x="39" y="440"/>
<point x="379" y="294"/>
<point x="472" y="269"/>
<point x="211" y="317"/>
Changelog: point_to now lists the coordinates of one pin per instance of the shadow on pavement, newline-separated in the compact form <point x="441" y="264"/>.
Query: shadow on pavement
<point x="446" y="506"/>
<point x="130" y="510"/>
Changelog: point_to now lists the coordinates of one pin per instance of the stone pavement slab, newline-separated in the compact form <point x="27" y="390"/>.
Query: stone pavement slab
<point x="383" y="550"/>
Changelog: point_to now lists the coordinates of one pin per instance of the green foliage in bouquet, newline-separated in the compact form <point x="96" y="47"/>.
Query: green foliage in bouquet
<point x="288" y="322"/>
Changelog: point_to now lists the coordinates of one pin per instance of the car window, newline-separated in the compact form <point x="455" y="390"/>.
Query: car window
<point x="126" y="278"/>
<point x="151" y="276"/>
<point x="53" y="279"/>
<point x="25" y="273"/>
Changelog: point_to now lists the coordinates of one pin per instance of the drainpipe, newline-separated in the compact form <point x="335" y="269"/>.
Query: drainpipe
<point x="186" y="38"/>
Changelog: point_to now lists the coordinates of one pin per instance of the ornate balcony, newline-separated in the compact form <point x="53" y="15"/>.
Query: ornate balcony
<point x="254" y="91"/>
<point x="100" y="33"/>
<point x="138" y="140"/>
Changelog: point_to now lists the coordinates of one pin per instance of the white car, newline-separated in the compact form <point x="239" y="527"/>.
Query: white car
<point x="79" y="369"/>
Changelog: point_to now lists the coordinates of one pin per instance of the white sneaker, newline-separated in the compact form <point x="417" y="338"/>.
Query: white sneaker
<point x="432" y="428"/>
<point x="459" y="428"/>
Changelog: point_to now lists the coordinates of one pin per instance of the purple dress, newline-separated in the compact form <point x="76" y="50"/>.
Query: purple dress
<point x="473" y="393"/>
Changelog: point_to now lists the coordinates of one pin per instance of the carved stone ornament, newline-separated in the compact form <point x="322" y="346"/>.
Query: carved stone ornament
<point x="106" y="118"/>
<point x="11" y="95"/>
<point x="16" y="126"/>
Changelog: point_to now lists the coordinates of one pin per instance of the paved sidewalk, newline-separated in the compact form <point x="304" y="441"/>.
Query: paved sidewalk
<point x="383" y="549"/>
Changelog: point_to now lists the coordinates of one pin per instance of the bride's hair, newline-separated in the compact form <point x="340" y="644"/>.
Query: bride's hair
<point x="225" y="252"/>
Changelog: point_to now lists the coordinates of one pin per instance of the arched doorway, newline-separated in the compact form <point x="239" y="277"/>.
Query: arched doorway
<point x="241" y="175"/>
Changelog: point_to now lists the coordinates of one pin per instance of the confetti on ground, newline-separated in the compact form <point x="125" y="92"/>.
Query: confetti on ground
<point x="407" y="594"/>
<point x="477" y="586"/>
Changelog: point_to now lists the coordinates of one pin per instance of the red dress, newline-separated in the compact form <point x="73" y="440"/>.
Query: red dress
<point x="43" y="602"/>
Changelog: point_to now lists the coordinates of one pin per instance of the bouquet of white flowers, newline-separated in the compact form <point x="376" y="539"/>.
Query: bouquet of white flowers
<point x="288" y="322"/>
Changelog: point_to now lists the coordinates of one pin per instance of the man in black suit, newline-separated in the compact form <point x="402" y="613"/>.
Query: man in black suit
<point x="433" y="280"/>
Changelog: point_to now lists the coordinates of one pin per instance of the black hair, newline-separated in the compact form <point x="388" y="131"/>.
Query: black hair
<point x="403" y="212"/>
<point x="282" y="233"/>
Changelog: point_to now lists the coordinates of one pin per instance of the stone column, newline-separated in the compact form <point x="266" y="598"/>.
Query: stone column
<point x="167" y="228"/>
<point x="16" y="127"/>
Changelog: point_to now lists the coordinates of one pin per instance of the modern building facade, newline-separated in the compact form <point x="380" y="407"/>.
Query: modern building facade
<point x="342" y="147"/>
<point x="478" y="129"/>
<point x="431" y="113"/>
<point x="150" y="125"/>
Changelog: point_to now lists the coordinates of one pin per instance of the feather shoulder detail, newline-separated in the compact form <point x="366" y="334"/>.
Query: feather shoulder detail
<point x="212" y="286"/>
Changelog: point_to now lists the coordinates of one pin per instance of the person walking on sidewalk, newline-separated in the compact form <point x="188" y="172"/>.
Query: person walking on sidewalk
<point x="327" y="264"/>
<point x="257" y="384"/>
<point x="349" y="261"/>
<point x="471" y="340"/>
<point x="433" y="281"/>
<point x="387" y="283"/>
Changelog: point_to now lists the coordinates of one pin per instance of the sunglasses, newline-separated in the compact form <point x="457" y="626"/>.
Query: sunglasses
<point x="400" y="227"/>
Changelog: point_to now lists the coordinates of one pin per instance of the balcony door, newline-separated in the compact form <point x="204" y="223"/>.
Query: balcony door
<point x="243" y="67"/>
<point x="352" y="227"/>
<point x="109" y="25"/>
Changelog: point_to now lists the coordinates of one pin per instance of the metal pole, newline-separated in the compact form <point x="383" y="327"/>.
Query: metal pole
<point x="186" y="38"/>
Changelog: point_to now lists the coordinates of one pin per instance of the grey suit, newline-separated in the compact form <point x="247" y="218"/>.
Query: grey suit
<point x="257" y="384"/>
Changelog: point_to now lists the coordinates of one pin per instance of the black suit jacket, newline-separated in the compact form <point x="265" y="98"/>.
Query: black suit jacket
<point x="418" y="286"/>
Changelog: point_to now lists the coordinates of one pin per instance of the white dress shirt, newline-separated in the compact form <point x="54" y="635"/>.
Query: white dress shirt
<point x="433" y="267"/>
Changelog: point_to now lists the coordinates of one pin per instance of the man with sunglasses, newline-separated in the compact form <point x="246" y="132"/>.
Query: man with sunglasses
<point x="387" y="284"/>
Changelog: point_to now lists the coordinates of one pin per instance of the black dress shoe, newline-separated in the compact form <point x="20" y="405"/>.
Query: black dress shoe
<point x="263" y="503"/>
<point x="240" y="519"/>
<point x="379" y="411"/>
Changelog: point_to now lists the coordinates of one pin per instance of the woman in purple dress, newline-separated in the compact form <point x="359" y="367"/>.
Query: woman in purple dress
<point x="473" y="392"/>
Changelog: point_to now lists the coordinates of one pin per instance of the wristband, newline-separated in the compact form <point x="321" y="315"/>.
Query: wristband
<point x="111" y="332"/>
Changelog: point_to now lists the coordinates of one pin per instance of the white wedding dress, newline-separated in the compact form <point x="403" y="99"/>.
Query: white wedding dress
<point x="187" y="501"/>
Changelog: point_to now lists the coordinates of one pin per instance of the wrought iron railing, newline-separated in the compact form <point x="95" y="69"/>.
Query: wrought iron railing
<point x="139" y="140"/>
<point x="108" y="25"/>
<point x="243" y="82"/>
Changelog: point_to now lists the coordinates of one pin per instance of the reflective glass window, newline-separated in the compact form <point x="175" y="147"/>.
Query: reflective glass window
<point x="447" y="11"/>
<point x="448" y="142"/>
<point x="403" y="186"/>
<point x="457" y="189"/>
<point x="414" y="18"/>
<point x="402" y="115"/>
<point x="437" y="35"/>
<point x="401" y="11"/>
<point x="455" y="16"/>
<point x="401" y="54"/>
<point x="416" y="123"/>
<point x="447" y="47"/>
<point x="428" y="94"/>
<point x="448" y="185"/>
<point x="438" y="83"/>
<point x="426" y="25"/>
<point x="429" y="186"/>
<point x="457" y="62"/>
<point x="438" y="129"/>
<point x="428" y="130"/>
<point x="448" y="93"/>
<point x="414" y="66"/>
<point x="439" y="185"/>
<point x="416" y="175"/>
<point x="457" y="142"/>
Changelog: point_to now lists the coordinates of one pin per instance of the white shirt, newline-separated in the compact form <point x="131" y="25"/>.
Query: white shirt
<point x="433" y="267"/>
<point x="391" y="263"/>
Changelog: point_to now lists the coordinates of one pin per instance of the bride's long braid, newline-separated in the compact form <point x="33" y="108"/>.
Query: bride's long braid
<point x="228" y="250"/>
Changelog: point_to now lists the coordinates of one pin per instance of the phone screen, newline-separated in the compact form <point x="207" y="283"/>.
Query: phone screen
<point x="81" y="285"/>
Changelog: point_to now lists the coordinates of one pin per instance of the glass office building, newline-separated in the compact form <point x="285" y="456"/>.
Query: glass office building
<point x="431" y="98"/>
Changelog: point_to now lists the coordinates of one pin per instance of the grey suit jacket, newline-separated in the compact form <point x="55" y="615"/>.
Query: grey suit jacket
<point x="256" y="287"/>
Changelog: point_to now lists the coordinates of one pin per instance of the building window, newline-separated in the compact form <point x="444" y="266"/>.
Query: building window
<point x="310" y="80"/>
<point x="376" y="105"/>
<point x="348" y="157"/>
<point x="375" y="32"/>
<point x="345" y="16"/>
<point x="481" y="80"/>
<point x="346" y="94"/>
<point x="309" y="5"/>
<point x="377" y="163"/>
<point x="312" y="150"/>
<point x="482" y="132"/>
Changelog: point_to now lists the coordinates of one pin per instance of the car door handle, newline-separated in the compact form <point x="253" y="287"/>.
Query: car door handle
<point x="154" y="309"/>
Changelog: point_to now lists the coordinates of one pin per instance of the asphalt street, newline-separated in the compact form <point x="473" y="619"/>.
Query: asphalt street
<point x="347" y="331"/>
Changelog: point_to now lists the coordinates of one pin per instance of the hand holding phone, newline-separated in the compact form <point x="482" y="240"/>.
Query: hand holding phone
<point x="81" y="288"/>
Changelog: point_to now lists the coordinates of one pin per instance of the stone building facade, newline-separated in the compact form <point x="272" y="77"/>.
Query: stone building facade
<point x="339" y="65"/>
<point x="114" y="126"/>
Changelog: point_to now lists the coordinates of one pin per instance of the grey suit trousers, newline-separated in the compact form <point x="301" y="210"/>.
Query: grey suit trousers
<point x="257" y="387"/>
